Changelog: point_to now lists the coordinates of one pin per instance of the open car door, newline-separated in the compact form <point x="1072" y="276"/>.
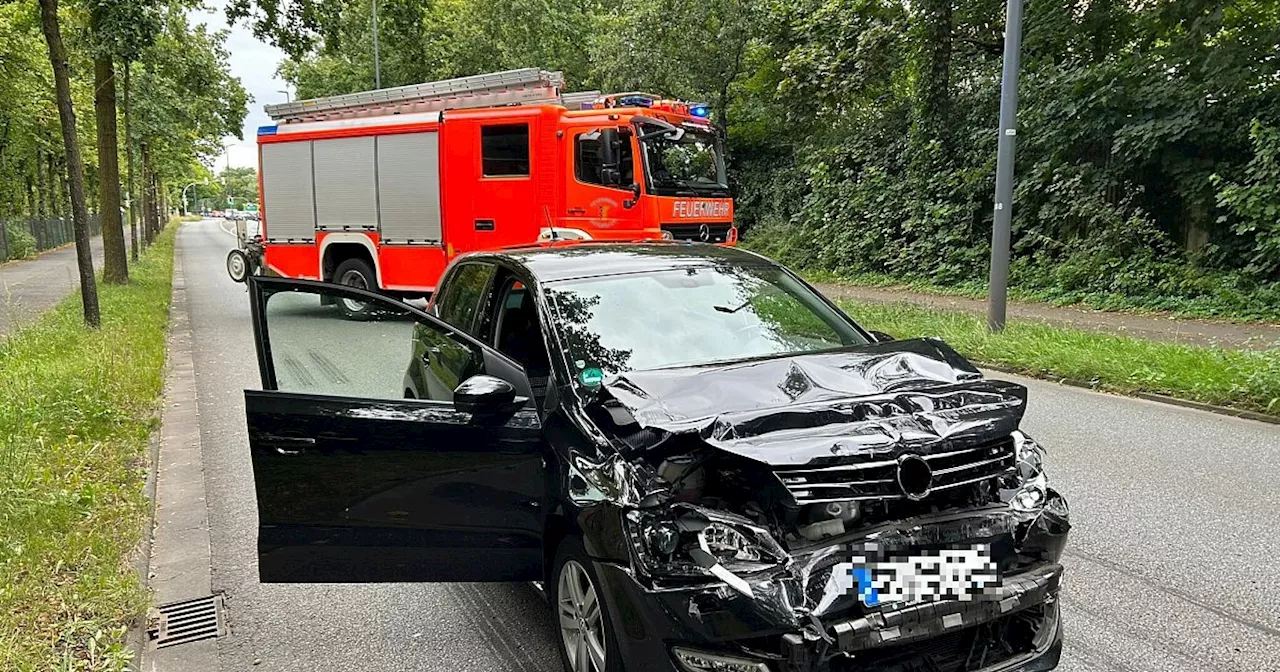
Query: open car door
<point x="356" y="483"/>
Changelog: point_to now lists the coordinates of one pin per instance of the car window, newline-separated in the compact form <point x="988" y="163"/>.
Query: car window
<point x="317" y="348"/>
<point x="460" y="302"/>
<point x="504" y="150"/>
<point x="586" y="163"/>
<point x="691" y="316"/>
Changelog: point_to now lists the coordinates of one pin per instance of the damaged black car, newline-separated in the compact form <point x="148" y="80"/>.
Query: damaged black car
<point x="705" y="462"/>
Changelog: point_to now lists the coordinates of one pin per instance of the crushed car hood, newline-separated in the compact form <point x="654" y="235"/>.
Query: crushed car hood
<point x="804" y="409"/>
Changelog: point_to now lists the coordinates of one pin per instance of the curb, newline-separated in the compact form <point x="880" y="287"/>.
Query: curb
<point x="1148" y="396"/>
<point x="179" y="558"/>
<point x="136" y="638"/>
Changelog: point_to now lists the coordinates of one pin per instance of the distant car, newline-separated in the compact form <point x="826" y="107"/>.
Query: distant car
<point x="709" y="465"/>
<point x="215" y="213"/>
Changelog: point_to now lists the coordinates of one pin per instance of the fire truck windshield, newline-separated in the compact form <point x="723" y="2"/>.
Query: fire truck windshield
<point x="689" y="165"/>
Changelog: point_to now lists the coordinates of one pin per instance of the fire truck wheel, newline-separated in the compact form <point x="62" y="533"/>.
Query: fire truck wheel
<point x="238" y="265"/>
<point x="355" y="273"/>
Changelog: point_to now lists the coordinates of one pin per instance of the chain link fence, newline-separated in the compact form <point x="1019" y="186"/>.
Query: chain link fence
<point x="22" y="238"/>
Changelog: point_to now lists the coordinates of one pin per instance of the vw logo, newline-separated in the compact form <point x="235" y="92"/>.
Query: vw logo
<point x="915" y="476"/>
<point x="704" y="233"/>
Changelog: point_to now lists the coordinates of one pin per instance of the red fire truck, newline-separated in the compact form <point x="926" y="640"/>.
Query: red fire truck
<point x="381" y="189"/>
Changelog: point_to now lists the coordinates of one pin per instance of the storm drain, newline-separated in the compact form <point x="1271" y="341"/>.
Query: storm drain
<point x="187" y="621"/>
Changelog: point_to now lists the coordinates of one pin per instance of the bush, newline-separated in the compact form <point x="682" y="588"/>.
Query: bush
<point x="21" y="244"/>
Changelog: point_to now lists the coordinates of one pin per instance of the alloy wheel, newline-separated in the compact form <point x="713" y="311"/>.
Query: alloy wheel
<point x="581" y="620"/>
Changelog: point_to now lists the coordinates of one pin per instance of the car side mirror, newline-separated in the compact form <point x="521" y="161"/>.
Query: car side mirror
<point x="881" y="337"/>
<point x="635" y="196"/>
<point x="610" y="174"/>
<point x="486" y="395"/>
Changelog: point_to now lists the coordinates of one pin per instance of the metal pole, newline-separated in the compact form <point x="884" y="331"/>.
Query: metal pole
<point x="1000" y="236"/>
<point x="377" y="65"/>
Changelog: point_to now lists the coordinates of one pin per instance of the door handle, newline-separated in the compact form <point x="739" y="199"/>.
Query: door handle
<point x="577" y="211"/>
<point x="485" y="225"/>
<point x="288" y="445"/>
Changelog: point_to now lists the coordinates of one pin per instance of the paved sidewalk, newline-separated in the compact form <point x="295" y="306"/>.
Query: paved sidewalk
<point x="1151" y="326"/>
<point x="29" y="287"/>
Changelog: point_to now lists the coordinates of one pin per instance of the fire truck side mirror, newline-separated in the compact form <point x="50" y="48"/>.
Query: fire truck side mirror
<point x="610" y="175"/>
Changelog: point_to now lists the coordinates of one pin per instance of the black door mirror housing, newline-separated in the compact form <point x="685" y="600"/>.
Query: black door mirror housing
<point x="610" y="174"/>
<point x="881" y="337"/>
<point x="486" y="395"/>
<point x="635" y="196"/>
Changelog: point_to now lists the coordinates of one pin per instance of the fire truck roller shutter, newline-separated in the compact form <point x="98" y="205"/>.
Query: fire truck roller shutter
<point x="346" y="197"/>
<point x="409" y="188"/>
<point x="288" y="192"/>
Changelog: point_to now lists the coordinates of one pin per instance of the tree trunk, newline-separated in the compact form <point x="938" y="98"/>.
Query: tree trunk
<point x="131" y="183"/>
<point x="75" y="167"/>
<point x="41" y="198"/>
<point x="144" y="212"/>
<point x="115" y="263"/>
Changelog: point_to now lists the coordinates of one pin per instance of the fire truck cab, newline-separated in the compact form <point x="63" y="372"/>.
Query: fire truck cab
<point x="382" y="189"/>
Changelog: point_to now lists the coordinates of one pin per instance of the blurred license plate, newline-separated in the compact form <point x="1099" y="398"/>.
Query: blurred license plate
<point x="884" y="577"/>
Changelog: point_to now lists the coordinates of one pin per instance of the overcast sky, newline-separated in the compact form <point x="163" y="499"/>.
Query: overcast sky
<point x="255" y="63"/>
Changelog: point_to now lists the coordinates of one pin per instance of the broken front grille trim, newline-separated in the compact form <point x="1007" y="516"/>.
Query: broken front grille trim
<point x="877" y="480"/>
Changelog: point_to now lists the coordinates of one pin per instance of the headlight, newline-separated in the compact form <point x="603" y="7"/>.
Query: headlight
<point x="693" y="542"/>
<point x="1027" y="488"/>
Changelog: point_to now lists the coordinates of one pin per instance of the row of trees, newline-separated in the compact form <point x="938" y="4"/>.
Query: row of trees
<point x="140" y="67"/>
<point x="863" y="132"/>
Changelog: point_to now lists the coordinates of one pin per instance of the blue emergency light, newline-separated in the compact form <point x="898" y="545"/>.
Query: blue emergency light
<point x="635" y="101"/>
<point x="700" y="111"/>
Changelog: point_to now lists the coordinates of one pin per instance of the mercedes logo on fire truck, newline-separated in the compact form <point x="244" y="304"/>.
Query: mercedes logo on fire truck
<point x="704" y="233"/>
<point x="915" y="476"/>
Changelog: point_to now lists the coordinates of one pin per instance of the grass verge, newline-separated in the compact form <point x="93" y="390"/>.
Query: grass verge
<point x="1239" y="379"/>
<point x="1251" y="309"/>
<point x="78" y="408"/>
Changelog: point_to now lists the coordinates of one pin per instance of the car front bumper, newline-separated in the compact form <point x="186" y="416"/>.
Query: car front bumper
<point x="1017" y="627"/>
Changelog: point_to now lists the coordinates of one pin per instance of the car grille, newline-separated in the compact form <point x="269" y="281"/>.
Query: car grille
<point x="877" y="477"/>
<point x="716" y="233"/>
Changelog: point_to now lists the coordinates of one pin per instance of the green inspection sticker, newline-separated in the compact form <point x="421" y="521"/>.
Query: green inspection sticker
<point x="591" y="377"/>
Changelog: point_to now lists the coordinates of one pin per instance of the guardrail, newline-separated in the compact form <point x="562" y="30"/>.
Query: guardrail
<point x="22" y="238"/>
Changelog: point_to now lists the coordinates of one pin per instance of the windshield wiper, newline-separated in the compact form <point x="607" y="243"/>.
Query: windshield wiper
<point x="727" y="309"/>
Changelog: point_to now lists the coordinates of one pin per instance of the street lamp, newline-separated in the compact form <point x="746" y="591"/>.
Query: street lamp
<point x="286" y="94"/>
<point x="184" y="195"/>
<point x="998" y="286"/>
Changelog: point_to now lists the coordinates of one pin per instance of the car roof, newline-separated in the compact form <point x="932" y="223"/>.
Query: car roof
<point x="552" y="262"/>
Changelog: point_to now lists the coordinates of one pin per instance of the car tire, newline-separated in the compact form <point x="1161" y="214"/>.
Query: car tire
<point x="238" y="266"/>
<point x="355" y="273"/>
<point x="571" y="557"/>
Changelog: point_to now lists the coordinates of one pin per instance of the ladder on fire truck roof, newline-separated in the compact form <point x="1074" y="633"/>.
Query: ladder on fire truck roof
<point x="513" y="87"/>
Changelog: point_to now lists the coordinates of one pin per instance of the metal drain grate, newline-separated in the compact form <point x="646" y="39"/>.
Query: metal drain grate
<point x="187" y="621"/>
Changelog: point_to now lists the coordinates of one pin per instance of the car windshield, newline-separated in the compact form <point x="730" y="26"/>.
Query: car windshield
<point x="691" y="164"/>
<point x="691" y="316"/>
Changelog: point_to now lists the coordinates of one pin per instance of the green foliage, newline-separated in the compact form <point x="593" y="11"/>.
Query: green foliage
<point x="239" y="183"/>
<point x="79" y="408"/>
<point x="20" y="243"/>
<point x="1253" y="206"/>
<point x="1127" y="112"/>
<point x="183" y="97"/>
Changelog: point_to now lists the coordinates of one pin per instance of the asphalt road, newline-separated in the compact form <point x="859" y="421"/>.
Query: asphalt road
<point x="1171" y="565"/>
